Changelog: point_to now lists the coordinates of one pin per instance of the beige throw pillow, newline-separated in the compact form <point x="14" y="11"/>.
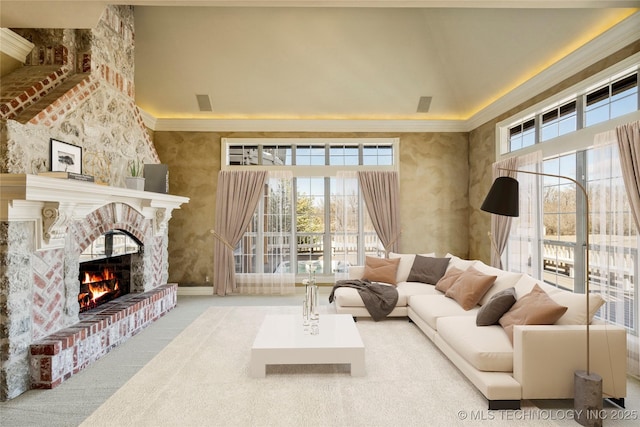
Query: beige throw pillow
<point x="448" y="279"/>
<point x="381" y="270"/>
<point x="470" y="287"/>
<point x="534" y="308"/>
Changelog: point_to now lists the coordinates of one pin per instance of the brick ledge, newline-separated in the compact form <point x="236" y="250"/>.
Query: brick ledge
<point x="57" y="357"/>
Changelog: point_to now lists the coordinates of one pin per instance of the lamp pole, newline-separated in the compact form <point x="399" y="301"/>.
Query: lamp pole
<point x="587" y="386"/>
<point x="586" y="239"/>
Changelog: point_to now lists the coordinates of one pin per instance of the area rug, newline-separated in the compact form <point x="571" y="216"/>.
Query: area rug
<point x="202" y="379"/>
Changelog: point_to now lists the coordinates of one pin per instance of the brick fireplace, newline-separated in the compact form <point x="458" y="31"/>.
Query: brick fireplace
<point x="45" y="225"/>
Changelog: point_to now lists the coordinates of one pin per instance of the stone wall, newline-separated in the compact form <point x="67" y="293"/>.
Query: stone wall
<point x="98" y="114"/>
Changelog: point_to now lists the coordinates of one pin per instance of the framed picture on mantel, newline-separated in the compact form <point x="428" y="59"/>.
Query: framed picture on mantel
<point x="65" y="157"/>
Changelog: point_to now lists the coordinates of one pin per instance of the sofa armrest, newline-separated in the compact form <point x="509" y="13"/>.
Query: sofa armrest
<point x="356" y="272"/>
<point x="545" y="358"/>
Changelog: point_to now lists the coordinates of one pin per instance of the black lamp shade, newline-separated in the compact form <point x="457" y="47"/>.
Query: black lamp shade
<point x="503" y="197"/>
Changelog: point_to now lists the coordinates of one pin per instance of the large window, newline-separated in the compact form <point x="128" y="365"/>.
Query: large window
<point x="611" y="100"/>
<point x="329" y="225"/>
<point x="613" y="237"/>
<point x="560" y="207"/>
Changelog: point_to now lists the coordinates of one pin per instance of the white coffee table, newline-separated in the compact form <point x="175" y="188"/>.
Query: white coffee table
<point x="281" y="340"/>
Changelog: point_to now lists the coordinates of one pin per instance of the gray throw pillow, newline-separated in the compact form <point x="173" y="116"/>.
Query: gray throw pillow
<point x="427" y="269"/>
<point x="499" y="304"/>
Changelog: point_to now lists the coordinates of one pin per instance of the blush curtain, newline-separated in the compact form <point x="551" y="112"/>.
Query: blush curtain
<point x="523" y="250"/>
<point x="500" y="224"/>
<point x="236" y="200"/>
<point x="629" y="147"/>
<point x="381" y="192"/>
<point x="621" y="294"/>
<point x="269" y="270"/>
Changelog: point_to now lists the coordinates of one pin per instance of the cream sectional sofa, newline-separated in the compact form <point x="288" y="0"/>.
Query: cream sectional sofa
<point x="541" y="361"/>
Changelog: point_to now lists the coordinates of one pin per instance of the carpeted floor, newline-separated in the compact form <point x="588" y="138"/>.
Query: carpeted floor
<point x="200" y="378"/>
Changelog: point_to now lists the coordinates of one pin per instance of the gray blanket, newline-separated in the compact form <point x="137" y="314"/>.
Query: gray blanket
<point x="378" y="299"/>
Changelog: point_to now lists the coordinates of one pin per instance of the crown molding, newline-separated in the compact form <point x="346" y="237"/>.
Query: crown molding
<point x="302" y="125"/>
<point x="149" y="121"/>
<point x="614" y="39"/>
<point x="14" y="45"/>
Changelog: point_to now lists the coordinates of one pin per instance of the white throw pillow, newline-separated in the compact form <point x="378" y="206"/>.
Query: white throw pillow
<point x="504" y="279"/>
<point x="526" y="283"/>
<point x="576" y="307"/>
<point x="459" y="263"/>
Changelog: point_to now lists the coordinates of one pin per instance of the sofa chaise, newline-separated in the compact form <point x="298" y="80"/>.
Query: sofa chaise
<point x="510" y="362"/>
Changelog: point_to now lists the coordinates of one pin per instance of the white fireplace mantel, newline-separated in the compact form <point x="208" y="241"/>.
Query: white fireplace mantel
<point x="52" y="203"/>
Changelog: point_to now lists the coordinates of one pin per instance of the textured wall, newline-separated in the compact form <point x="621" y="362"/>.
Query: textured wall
<point x="433" y="193"/>
<point x="434" y="196"/>
<point x="194" y="162"/>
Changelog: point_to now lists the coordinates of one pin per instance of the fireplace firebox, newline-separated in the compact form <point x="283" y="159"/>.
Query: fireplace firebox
<point x="103" y="280"/>
<point x="106" y="269"/>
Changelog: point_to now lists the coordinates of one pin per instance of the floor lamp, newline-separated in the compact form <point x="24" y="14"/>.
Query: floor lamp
<point x="503" y="199"/>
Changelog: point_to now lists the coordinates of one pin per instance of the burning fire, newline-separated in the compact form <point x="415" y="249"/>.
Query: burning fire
<point x="98" y="285"/>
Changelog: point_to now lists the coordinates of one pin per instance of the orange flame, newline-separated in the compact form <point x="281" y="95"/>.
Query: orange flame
<point x="97" y="284"/>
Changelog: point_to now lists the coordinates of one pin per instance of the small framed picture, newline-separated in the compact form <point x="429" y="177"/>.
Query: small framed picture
<point x="65" y="157"/>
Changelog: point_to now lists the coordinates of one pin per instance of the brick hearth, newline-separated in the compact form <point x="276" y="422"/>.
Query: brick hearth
<point x="57" y="357"/>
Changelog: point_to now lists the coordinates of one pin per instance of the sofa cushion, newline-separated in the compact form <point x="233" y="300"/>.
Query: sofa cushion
<point x="349" y="297"/>
<point x="431" y="307"/>
<point x="381" y="270"/>
<point x="449" y="278"/>
<point x="504" y="280"/>
<point x="499" y="304"/>
<point x="534" y="308"/>
<point x="469" y="287"/>
<point x="406" y="261"/>
<point x="427" y="269"/>
<point x="408" y="289"/>
<point x="486" y="348"/>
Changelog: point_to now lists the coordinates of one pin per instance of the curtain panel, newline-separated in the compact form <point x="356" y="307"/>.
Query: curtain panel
<point x="613" y="258"/>
<point x="267" y="268"/>
<point x="525" y="238"/>
<point x="381" y="192"/>
<point x="627" y="139"/>
<point x="500" y="224"/>
<point x="236" y="200"/>
<point x="518" y="240"/>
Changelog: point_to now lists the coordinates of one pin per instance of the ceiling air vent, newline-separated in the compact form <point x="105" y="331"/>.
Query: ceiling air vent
<point x="204" y="102"/>
<point x="424" y="104"/>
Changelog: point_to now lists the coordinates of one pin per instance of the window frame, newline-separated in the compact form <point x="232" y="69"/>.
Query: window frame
<point x="327" y="172"/>
<point x="576" y="92"/>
